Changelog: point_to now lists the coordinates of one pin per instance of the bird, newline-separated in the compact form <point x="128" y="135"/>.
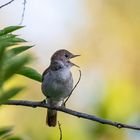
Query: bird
<point x="57" y="82"/>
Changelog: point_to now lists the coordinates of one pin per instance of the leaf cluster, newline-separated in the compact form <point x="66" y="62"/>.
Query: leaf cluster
<point x="13" y="61"/>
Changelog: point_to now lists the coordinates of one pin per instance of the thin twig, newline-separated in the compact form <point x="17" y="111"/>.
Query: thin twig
<point x="6" y="4"/>
<point x="71" y="112"/>
<point x="23" y="12"/>
<point x="60" y="130"/>
<point x="73" y="88"/>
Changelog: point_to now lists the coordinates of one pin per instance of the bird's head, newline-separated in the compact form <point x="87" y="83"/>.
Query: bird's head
<point x="64" y="56"/>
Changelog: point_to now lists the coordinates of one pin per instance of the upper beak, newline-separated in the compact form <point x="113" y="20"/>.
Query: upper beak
<point x="74" y="56"/>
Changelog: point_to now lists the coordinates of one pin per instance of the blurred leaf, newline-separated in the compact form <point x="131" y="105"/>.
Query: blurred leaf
<point x="14" y="138"/>
<point x="5" y="134"/>
<point x="12" y="40"/>
<point x="3" y="45"/>
<point x="16" y="40"/>
<point x="14" y="65"/>
<point x="10" y="93"/>
<point x="5" y="130"/>
<point x="14" y="52"/>
<point x="30" y="73"/>
<point x="18" y="50"/>
<point x="9" y="29"/>
<point x="7" y="36"/>
<point x="4" y="137"/>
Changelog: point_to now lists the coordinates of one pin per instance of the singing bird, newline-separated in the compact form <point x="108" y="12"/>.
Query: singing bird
<point x="57" y="82"/>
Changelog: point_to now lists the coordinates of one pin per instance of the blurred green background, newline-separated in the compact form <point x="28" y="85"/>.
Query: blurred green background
<point x="107" y="35"/>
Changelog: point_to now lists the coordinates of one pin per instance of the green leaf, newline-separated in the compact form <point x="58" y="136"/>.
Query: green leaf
<point x="18" y="50"/>
<point x="12" y="40"/>
<point x="10" y="93"/>
<point x="14" y="138"/>
<point x="13" y="65"/>
<point x="5" y="130"/>
<point x="4" y="43"/>
<point x="7" y="36"/>
<point x="6" y="134"/>
<point x="30" y="73"/>
<point x="3" y="46"/>
<point x="9" y="29"/>
<point x="16" y="40"/>
<point x="10" y="53"/>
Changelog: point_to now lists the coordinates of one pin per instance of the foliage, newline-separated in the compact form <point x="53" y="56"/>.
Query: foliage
<point x="12" y="62"/>
<point x="6" y="134"/>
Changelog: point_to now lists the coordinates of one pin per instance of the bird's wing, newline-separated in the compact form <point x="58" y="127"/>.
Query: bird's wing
<point x="55" y="66"/>
<point x="45" y="72"/>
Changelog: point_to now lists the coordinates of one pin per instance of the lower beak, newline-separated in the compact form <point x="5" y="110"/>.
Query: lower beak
<point x="74" y="65"/>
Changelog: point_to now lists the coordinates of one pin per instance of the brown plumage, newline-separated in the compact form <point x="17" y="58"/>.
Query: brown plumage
<point x="51" y="118"/>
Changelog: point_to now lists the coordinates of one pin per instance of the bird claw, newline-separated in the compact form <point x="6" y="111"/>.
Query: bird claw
<point x="43" y="102"/>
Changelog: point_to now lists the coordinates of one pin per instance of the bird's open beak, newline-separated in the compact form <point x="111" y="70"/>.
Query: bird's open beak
<point x="73" y="56"/>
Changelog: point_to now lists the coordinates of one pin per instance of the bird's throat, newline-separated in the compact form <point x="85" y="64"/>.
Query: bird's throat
<point x="61" y="74"/>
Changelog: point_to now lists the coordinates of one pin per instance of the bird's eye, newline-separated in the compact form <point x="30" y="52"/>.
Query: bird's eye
<point x="66" y="55"/>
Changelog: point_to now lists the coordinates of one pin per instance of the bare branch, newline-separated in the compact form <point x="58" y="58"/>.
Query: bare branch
<point x="35" y="104"/>
<point x="23" y="12"/>
<point x="6" y="4"/>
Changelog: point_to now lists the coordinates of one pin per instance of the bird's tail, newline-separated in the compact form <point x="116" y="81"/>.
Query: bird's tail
<point x="51" y="119"/>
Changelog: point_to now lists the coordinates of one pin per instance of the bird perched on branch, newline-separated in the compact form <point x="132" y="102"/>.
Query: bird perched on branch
<point x="57" y="82"/>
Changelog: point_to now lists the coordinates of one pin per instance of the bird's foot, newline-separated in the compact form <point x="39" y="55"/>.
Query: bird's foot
<point x="43" y="101"/>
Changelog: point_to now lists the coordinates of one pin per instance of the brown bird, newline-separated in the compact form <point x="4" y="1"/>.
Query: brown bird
<point x="57" y="82"/>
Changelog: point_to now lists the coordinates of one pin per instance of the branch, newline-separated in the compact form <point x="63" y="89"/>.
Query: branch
<point x="6" y="4"/>
<point x="23" y="12"/>
<point x="35" y="104"/>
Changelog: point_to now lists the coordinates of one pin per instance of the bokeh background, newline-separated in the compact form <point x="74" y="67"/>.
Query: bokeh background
<point x="107" y="35"/>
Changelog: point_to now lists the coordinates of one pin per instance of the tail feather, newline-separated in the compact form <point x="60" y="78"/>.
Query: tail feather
<point x="51" y="119"/>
